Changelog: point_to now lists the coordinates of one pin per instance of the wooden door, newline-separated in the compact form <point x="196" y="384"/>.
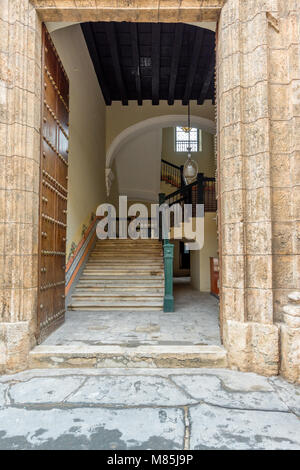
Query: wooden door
<point x="53" y="191"/>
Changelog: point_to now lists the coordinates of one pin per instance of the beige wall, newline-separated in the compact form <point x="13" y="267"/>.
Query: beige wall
<point x="87" y="132"/>
<point x="119" y="117"/>
<point x="200" y="267"/>
<point x="204" y="158"/>
<point x="138" y="166"/>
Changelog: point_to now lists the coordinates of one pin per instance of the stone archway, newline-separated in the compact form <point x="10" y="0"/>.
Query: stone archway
<point x="257" y="74"/>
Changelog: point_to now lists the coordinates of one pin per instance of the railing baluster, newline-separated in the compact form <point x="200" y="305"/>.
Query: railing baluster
<point x="171" y="173"/>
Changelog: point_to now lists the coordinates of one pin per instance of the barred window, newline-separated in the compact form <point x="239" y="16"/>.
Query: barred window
<point x="182" y="140"/>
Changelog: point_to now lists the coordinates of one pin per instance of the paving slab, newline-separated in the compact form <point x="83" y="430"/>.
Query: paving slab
<point x="2" y="394"/>
<point x="147" y="409"/>
<point x="263" y="383"/>
<point x="214" y="428"/>
<point x="44" y="389"/>
<point x="130" y="391"/>
<point x="242" y="381"/>
<point x="91" y="429"/>
<point x="194" y="322"/>
<point x="231" y="393"/>
<point x="289" y="393"/>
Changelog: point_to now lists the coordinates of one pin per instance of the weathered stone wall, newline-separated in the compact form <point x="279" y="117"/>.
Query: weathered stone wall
<point x="285" y="151"/>
<point x="129" y="10"/>
<point x="20" y="63"/>
<point x="258" y="68"/>
<point x="284" y="91"/>
<point x="249" y="335"/>
<point x="290" y="339"/>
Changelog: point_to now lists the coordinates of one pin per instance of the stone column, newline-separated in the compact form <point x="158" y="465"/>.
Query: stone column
<point x="284" y="58"/>
<point x="285" y="87"/>
<point x="249" y="333"/>
<point x="290" y="339"/>
<point x="20" y="83"/>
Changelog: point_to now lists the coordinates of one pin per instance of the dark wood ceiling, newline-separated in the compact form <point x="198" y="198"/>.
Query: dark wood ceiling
<point x="152" y="61"/>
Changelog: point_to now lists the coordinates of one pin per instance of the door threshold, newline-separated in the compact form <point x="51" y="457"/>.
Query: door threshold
<point x="143" y="356"/>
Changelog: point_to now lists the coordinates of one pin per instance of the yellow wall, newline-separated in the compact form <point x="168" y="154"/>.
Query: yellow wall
<point x="200" y="267"/>
<point x="120" y="117"/>
<point x="204" y="158"/>
<point x="87" y="132"/>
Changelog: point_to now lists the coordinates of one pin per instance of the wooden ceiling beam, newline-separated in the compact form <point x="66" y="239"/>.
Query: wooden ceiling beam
<point x="210" y="70"/>
<point x="193" y="65"/>
<point x="136" y="61"/>
<point x="175" y="61"/>
<point x="155" y="56"/>
<point x="114" y="49"/>
<point x="90" y="39"/>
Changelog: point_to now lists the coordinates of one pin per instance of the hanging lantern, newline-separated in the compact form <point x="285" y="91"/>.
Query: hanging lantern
<point x="190" y="168"/>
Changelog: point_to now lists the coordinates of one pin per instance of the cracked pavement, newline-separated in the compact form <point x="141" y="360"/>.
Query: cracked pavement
<point x="132" y="409"/>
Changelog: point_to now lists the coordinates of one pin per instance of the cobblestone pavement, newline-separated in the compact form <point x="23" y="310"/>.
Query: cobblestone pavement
<point x="147" y="409"/>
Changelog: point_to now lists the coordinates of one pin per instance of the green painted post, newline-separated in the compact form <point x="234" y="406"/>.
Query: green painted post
<point x="168" y="262"/>
<point x="161" y="198"/>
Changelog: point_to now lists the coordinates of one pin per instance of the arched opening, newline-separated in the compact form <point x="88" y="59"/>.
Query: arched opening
<point x="119" y="137"/>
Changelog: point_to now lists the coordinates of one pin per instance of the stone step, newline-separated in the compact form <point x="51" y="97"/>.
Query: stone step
<point x="138" y="283"/>
<point x="127" y="250"/>
<point x="117" y="262"/>
<point x="127" y="263"/>
<point x="150" y="356"/>
<point x="117" y="301"/>
<point x="116" y="276"/>
<point x="130" y="242"/>
<point x="116" y="297"/>
<point x="141" y="290"/>
<point x="125" y="254"/>
<point x="119" y="270"/>
<point x="137" y="247"/>
<point x="119" y="279"/>
<point x="114" y="308"/>
<point x="123" y="263"/>
<point x="122" y="266"/>
<point x="121" y="246"/>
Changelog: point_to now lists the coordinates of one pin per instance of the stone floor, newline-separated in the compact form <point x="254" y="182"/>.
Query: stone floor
<point x="147" y="409"/>
<point x="194" y="322"/>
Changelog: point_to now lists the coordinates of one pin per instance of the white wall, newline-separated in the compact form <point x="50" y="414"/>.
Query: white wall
<point x="200" y="264"/>
<point x="138" y="167"/>
<point x="119" y="117"/>
<point x="87" y="131"/>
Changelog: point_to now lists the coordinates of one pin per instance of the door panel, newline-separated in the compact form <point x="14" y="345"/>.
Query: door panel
<point x="53" y="191"/>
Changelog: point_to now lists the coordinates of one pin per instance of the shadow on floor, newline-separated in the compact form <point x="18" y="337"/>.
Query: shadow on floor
<point x="195" y="321"/>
